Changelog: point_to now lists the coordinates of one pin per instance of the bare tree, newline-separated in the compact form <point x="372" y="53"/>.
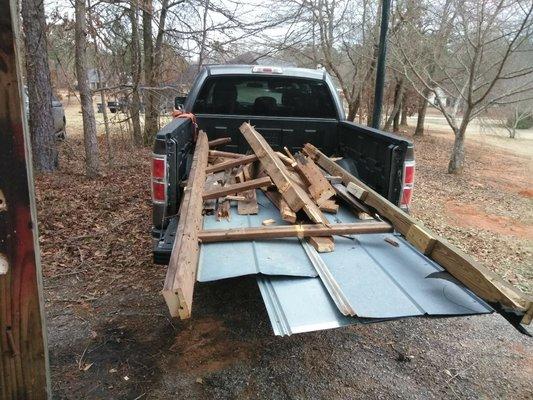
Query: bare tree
<point x="475" y="63"/>
<point x="135" y="105"/>
<point x="45" y="156"/>
<point x="92" y="161"/>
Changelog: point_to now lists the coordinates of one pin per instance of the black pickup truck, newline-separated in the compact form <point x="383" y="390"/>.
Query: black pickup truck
<point x="289" y="107"/>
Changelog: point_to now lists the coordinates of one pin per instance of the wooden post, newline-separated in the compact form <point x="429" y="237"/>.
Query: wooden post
<point x="181" y="273"/>
<point x="23" y="351"/>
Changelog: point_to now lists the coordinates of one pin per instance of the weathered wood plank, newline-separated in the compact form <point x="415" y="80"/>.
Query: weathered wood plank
<point x="276" y="232"/>
<point x="464" y="268"/>
<point x="24" y="371"/>
<point x="319" y="188"/>
<point x="273" y="166"/>
<point x="286" y="213"/>
<point x="329" y="206"/>
<point x="181" y="273"/>
<point x="421" y="239"/>
<point x="231" y="163"/>
<point x="219" y="142"/>
<point x="226" y="154"/>
<point x="237" y="188"/>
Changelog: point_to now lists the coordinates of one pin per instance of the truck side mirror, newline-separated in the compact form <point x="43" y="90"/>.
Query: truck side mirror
<point x="179" y="101"/>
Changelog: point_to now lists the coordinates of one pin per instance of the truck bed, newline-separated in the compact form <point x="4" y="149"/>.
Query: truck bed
<point x="376" y="279"/>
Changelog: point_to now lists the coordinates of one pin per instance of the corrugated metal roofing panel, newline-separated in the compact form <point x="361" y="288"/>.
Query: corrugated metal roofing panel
<point x="271" y="257"/>
<point x="297" y="305"/>
<point x="379" y="280"/>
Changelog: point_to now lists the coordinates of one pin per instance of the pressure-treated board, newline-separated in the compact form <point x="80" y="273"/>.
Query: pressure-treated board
<point x="276" y="232"/>
<point x="237" y="188"/>
<point x="473" y="275"/>
<point x="181" y="273"/>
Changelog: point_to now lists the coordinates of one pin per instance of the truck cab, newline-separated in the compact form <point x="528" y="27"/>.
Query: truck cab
<point x="289" y="107"/>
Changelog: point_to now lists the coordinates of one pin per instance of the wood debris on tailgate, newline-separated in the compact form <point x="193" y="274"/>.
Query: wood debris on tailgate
<point x="304" y="187"/>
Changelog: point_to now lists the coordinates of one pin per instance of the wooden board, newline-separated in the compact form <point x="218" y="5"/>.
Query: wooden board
<point x="24" y="370"/>
<point x="318" y="186"/>
<point x="273" y="166"/>
<point x="225" y="154"/>
<point x="219" y="142"/>
<point x="237" y="188"/>
<point x="329" y="206"/>
<point x="464" y="268"/>
<point x="286" y="213"/>
<point x="296" y="197"/>
<point x="234" y="162"/>
<point x="181" y="273"/>
<point x="276" y="232"/>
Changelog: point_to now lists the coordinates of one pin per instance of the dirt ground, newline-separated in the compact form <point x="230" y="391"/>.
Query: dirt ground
<point x="110" y="336"/>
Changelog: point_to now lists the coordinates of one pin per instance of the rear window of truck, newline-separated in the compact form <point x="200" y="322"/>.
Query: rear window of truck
<point x="265" y="96"/>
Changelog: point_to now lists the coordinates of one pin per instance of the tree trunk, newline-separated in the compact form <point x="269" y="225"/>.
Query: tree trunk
<point x="403" y="121"/>
<point x="353" y="108"/>
<point x="135" y="105"/>
<point x="422" y="108"/>
<point x="398" y="95"/>
<point x="92" y="162"/>
<point x="151" y="112"/>
<point x="41" y="121"/>
<point x="396" y="121"/>
<point x="457" y="159"/>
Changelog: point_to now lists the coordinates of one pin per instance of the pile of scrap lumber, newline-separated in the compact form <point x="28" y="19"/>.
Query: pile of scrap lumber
<point x="306" y="188"/>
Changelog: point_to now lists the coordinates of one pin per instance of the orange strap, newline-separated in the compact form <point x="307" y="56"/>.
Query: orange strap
<point x="191" y="116"/>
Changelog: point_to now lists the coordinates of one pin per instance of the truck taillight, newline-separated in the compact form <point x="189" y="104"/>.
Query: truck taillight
<point x="408" y="181"/>
<point x="159" y="179"/>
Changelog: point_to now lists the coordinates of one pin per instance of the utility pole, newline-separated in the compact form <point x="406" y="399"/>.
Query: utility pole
<point x="23" y="352"/>
<point x="382" y="61"/>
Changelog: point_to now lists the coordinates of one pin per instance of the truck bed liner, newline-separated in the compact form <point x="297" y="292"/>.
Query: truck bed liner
<point x="379" y="280"/>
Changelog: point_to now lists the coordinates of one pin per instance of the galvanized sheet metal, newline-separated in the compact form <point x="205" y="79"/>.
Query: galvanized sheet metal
<point x="270" y="257"/>
<point x="297" y="305"/>
<point x="379" y="280"/>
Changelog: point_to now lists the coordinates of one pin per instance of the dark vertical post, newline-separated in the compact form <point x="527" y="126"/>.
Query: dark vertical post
<point x="23" y="352"/>
<point x="382" y="60"/>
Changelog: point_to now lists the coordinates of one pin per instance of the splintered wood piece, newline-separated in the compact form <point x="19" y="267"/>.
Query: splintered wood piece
<point x="249" y="204"/>
<point x="219" y="142"/>
<point x="223" y="210"/>
<point x="273" y="166"/>
<point x="281" y="231"/>
<point x="287" y="214"/>
<point x="286" y="160"/>
<point x="329" y="206"/>
<point x="322" y="244"/>
<point x="289" y="154"/>
<point x="296" y="197"/>
<point x="226" y="154"/>
<point x="472" y="274"/>
<point x="237" y="188"/>
<point x="269" y="221"/>
<point x="231" y="163"/>
<point x="319" y="187"/>
<point x="181" y="272"/>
